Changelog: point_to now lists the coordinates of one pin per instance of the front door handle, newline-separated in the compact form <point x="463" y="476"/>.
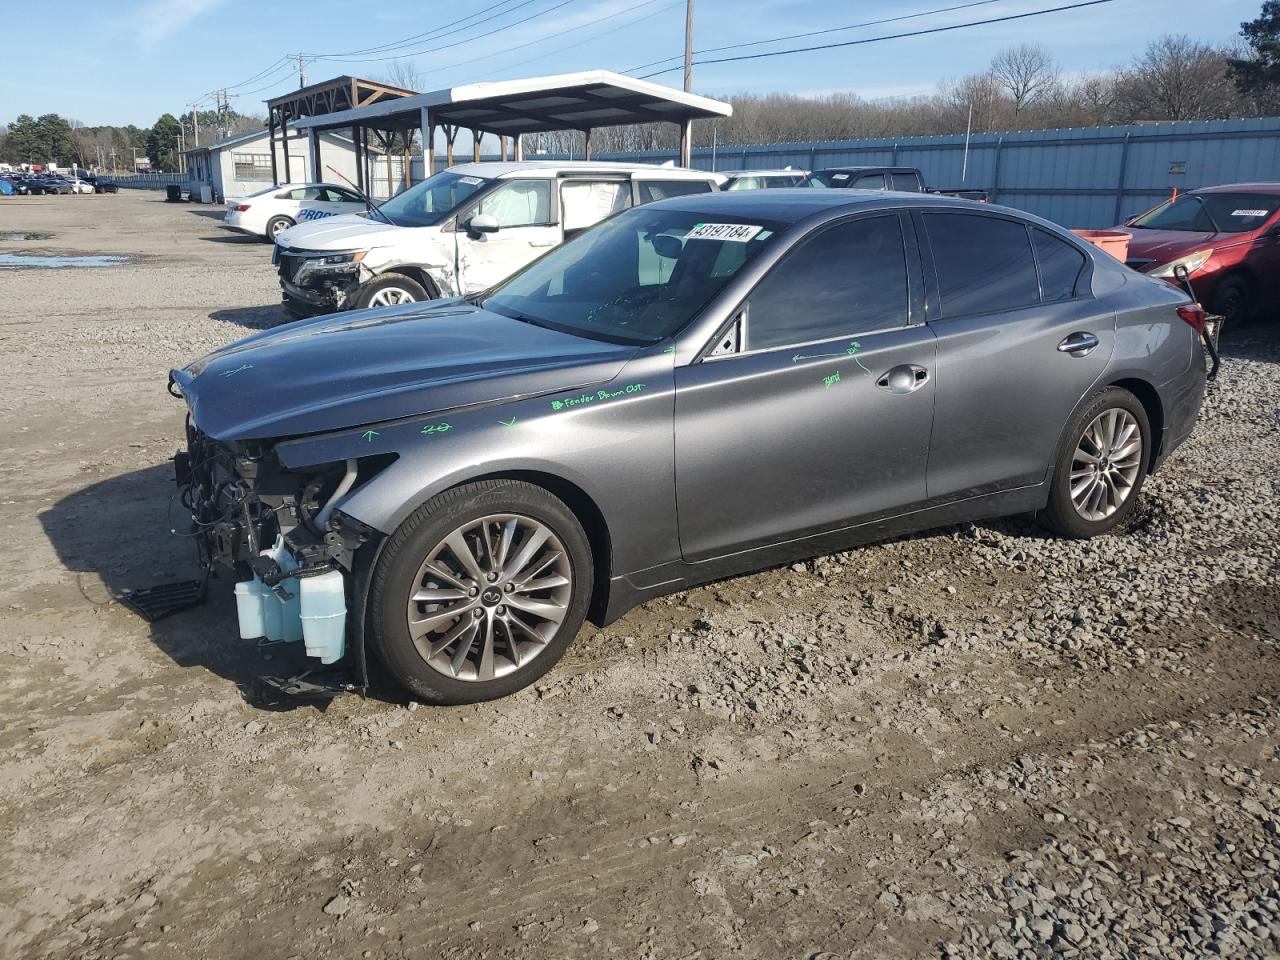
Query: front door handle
<point x="906" y="378"/>
<point x="1078" y="344"/>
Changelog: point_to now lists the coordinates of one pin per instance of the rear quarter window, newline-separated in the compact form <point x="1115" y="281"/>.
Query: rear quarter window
<point x="650" y="190"/>
<point x="1061" y="266"/>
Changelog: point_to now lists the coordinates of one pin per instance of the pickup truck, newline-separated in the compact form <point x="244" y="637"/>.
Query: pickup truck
<point x="906" y="179"/>
<point x="462" y="230"/>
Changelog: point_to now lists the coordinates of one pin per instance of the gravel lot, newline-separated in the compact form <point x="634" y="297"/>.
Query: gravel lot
<point x="979" y="742"/>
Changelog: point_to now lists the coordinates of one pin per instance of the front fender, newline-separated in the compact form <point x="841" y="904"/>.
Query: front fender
<point x="612" y="440"/>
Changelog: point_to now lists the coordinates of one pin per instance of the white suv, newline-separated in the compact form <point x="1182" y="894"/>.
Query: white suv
<point x="462" y="230"/>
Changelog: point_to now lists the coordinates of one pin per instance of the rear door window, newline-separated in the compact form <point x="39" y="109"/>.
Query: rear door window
<point x="586" y="202"/>
<point x="907" y="182"/>
<point x="983" y="264"/>
<point x="873" y="181"/>
<point x="650" y="190"/>
<point x="842" y="281"/>
<point x="1061" y="265"/>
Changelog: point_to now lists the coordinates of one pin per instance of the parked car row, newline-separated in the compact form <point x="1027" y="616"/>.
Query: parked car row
<point x="52" y="183"/>
<point x="458" y="485"/>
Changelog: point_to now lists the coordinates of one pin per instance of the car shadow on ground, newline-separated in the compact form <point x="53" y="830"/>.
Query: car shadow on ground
<point x="119" y="531"/>
<point x="253" y="318"/>
<point x="236" y="239"/>
<point x="1255" y="340"/>
<point x="209" y="214"/>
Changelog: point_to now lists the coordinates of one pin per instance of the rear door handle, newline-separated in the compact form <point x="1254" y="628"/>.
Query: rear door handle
<point x="906" y="378"/>
<point x="1078" y="344"/>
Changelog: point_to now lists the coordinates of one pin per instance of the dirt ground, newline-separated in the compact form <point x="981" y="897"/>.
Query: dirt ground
<point x="977" y="742"/>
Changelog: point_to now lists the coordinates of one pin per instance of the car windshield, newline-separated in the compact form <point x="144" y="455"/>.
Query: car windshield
<point x="830" y="178"/>
<point x="1211" y="213"/>
<point x="638" y="277"/>
<point x="427" y="203"/>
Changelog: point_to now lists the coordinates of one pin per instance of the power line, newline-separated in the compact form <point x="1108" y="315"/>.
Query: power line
<point x="530" y="43"/>
<point x="433" y="34"/>
<point x="585" y="40"/>
<point x="478" y="36"/>
<point x="815" y="33"/>
<point x="892" y="36"/>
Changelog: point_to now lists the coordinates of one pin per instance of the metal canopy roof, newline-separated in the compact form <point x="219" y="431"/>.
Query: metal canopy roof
<point x="569" y="101"/>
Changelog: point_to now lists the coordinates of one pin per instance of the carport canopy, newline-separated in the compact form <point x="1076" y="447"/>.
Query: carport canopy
<point x="511" y="108"/>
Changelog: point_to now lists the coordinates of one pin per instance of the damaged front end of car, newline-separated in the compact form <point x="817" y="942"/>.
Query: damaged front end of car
<point x="299" y="562"/>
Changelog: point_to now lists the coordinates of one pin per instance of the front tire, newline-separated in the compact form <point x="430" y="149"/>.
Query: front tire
<point x="480" y="591"/>
<point x="1101" y="465"/>
<point x="1232" y="300"/>
<point x="389" y="290"/>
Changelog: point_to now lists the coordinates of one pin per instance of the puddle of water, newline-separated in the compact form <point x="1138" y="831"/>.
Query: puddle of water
<point x="12" y="237"/>
<point x="14" y="261"/>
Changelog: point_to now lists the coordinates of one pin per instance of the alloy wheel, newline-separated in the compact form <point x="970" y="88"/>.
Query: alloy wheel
<point x="489" y="597"/>
<point x="1106" y="464"/>
<point x="390" y="296"/>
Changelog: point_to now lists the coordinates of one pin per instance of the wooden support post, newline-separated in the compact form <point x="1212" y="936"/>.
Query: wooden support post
<point x="355" y="142"/>
<point x="428" y="142"/>
<point x="686" y="143"/>
<point x="475" y="145"/>
<point x="586" y="144"/>
<point x="517" y="151"/>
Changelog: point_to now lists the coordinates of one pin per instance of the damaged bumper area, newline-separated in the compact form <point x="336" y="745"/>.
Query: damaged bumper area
<point x="293" y="553"/>
<point x="324" y="281"/>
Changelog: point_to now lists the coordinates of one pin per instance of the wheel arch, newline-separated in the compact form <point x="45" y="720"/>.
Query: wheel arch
<point x="1149" y="397"/>
<point x="418" y="275"/>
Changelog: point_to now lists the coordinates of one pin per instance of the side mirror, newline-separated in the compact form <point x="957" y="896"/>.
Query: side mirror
<point x="483" y="223"/>
<point x="1128" y="221"/>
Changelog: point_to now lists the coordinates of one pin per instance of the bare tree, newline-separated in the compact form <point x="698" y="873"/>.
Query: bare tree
<point x="402" y="73"/>
<point x="1178" y="78"/>
<point x="1026" y="73"/>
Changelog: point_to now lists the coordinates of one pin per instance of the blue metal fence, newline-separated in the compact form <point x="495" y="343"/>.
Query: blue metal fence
<point x="1081" y="177"/>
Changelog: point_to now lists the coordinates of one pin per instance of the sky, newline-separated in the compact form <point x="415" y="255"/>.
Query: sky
<point x="128" y="63"/>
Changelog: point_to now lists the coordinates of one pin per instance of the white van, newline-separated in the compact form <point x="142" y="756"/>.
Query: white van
<point x="461" y="231"/>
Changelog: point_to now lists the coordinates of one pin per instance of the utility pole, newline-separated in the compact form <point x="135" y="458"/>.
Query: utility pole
<point x="195" y="126"/>
<point x="688" y="45"/>
<point x="302" y="71"/>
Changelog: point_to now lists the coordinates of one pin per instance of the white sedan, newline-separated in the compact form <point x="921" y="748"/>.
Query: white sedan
<point x="269" y="212"/>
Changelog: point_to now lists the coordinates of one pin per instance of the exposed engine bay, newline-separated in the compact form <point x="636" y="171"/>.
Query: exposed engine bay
<point x="279" y="531"/>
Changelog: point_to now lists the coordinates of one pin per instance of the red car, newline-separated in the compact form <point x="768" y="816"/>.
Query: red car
<point x="1227" y="237"/>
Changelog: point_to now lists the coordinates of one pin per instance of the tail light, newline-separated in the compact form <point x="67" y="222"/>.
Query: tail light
<point x="1193" y="313"/>
<point x="241" y="208"/>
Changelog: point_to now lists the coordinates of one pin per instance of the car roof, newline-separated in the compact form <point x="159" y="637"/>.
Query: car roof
<point x="791" y="205"/>
<point x="498" y="168"/>
<point x="1263" y="187"/>
<point x="764" y="173"/>
<point x="317" y="183"/>
<point x="877" y="168"/>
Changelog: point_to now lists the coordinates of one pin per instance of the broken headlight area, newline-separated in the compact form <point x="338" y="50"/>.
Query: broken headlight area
<point x="322" y="280"/>
<point x="279" y="530"/>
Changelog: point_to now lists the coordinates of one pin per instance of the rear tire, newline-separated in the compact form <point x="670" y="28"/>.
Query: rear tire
<point x="389" y="290"/>
<point x="1099" y="473"/>
<point x="277" y="226"/>
<point x="463" y="629"/>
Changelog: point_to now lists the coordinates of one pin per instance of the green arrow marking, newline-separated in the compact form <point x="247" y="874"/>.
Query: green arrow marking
<point x="370" y="434"/>
<point x="510" y="423"/>
<point x="670" y="349"/>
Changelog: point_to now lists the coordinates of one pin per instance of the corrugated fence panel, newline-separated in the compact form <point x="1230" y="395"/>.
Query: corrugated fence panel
<point x="1085" y="177"/>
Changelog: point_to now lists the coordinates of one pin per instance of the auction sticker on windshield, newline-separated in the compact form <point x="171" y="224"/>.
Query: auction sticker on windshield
<point x="737" y="232"/>
<point x="1248" y="213"/>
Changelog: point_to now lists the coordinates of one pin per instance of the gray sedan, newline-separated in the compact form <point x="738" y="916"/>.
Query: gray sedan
<point x="693" y="389"/>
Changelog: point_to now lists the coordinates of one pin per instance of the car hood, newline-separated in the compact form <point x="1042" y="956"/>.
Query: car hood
<point x="347" y="370"/>
<point x="1161" y="246"/>
<point x="346" y="231"/>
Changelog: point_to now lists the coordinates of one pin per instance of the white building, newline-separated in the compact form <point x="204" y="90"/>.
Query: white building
<point x="242" y="165"/>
